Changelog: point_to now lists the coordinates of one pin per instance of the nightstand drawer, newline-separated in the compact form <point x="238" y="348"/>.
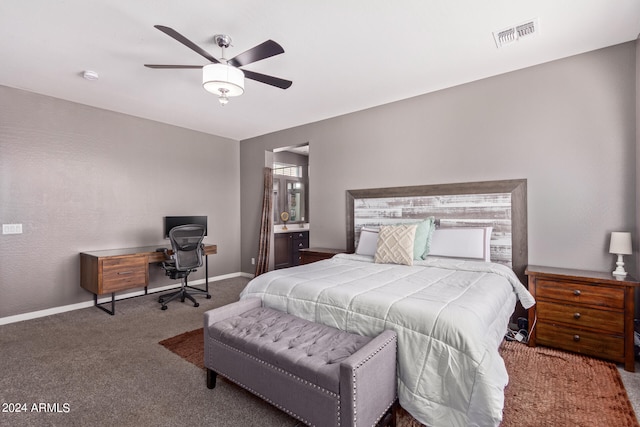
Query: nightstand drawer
<point x="124" y="273"/>
<point x="580" y="341"/>
<point x="580" y="293"/>
<point x="581" y="317"/>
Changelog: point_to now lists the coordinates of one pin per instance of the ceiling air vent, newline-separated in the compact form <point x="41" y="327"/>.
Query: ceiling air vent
<point x="515" y="33"/>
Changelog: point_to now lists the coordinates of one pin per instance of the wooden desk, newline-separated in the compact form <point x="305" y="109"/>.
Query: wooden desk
<point x="114" y="270"/>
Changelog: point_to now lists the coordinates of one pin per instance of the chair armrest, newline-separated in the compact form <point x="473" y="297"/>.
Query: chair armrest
<point x="229" y="310"/>
<point x="368" y="382"/>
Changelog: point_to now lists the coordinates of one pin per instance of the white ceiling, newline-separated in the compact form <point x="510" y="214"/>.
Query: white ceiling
<point x="342" y="55"/>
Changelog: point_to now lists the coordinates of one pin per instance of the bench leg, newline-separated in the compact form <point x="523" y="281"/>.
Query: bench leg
<point x="389" y="419"/>
<point x="211" y="378"/>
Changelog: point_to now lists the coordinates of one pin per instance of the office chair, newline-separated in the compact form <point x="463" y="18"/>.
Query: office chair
<point x="186" y="243"/>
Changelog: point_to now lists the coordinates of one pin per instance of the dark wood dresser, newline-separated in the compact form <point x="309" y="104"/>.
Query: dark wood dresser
<point x="310" y="255"/>
<point x="287" y="248"/>
<point x="586" y="312"/>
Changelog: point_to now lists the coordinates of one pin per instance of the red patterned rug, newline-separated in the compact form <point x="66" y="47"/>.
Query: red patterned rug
<point x="546" y="387"/>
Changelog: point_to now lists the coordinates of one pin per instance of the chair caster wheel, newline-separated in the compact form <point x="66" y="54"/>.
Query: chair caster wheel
<point x="208" y="296"/>
<point x="196" y="304"/>
<point x="164" y="307"/>
<point x="160" y="300"/>
<point x="181" y="299"/>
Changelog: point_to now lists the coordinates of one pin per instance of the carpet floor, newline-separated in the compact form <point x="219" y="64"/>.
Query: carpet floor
<point x="547" y="387"/>
<point x="86" y="368"/>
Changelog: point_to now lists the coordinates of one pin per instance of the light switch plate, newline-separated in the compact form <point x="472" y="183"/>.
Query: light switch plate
<point x="11" y="228"/>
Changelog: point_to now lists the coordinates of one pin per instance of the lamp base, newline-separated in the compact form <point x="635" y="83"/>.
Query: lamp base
<point x="619" y="272"/>
<point x="620" y="275"/>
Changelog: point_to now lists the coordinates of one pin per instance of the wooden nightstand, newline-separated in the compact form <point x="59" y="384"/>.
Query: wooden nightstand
<point x="586" y="312"/>
<point x="310" y="255"/>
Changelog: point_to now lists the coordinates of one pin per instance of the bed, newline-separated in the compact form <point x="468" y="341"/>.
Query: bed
<point x="450" y="312"/>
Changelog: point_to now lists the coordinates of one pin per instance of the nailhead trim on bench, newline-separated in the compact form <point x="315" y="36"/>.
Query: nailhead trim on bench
<point x="295" y="377"/>
<point x="355" y="386"/>
<point x="331" y="397"/>
<point x="308" y="383"/>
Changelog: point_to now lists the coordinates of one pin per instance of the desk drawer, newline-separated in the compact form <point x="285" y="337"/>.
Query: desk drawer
<point x="124" y="273"/>
<point x="581" y="317"/>
<point x="580" y="341"/>
<point x="580" y="293"/>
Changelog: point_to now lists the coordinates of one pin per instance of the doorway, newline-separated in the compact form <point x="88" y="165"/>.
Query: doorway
<point x="290" y="204"/>
<point x="291" y="185"/>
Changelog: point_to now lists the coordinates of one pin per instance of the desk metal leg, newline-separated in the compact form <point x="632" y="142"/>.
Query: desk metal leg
<point x="100" y="306"/>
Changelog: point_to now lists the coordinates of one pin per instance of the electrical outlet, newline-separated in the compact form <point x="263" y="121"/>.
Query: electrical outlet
<point x="11" y="228"/>
<point x="253" y="261"/>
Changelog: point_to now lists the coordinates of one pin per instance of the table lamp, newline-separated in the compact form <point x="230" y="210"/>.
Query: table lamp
<point x="620" y="245"/>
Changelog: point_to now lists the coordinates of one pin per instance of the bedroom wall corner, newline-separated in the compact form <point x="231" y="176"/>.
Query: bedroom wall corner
<point x="636" y="235"/>
<point x="80" y="178"/>
<point x="560" y="125"/>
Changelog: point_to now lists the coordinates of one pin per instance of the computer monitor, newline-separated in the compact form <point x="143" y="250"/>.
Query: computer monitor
<point x="174" y="221"/>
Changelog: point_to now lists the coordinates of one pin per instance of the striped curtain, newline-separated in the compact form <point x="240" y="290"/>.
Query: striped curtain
<point x="266" y="224"/>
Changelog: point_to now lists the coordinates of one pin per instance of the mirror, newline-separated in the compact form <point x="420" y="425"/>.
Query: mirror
<point x="277" y="207"/>
<point x="295" y="201"/>
<point x="291" y="184"/>
<point x="290" y="197"/>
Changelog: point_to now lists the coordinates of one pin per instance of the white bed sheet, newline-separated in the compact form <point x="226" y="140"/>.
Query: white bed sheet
<point x="450" y="316"/>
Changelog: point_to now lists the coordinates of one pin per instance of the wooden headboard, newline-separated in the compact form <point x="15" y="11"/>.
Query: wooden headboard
<point x="499" y="204"/>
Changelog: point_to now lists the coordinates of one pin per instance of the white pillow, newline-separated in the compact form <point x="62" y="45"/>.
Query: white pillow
<point x="369" y="238"/>
<point x="395" y="244"/>
<point x="463" y="242"/>
<point x="368" y="242"/>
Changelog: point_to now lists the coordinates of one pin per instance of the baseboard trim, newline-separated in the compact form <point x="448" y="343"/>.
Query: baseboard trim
<point x="81" y="305"/>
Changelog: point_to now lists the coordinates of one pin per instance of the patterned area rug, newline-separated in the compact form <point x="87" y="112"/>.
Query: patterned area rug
<point x="546" y="387"/>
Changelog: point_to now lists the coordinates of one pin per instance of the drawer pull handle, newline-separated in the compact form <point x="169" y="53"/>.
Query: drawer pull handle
<point x="576" y="316"/>
<point x="300" y="245"/>
<point x="577" y="292"/>
<point x="125" y="272"/>
<point x="576" y="338"/>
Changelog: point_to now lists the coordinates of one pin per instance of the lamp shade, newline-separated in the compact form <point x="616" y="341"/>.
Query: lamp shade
<point x="223" y="79"/>
<point x="620" y="243"/>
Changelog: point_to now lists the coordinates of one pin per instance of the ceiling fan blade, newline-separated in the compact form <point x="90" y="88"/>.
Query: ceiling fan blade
<point x="171" y="66"/>
<point x="270" y="80"/>
<point x="257" y="53"/>
<point x="185" y="41"/>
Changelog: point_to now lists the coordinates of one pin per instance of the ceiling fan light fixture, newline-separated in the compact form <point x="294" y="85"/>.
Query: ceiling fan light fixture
<point x="224" y="77"/>
<point x="223" y="80"/>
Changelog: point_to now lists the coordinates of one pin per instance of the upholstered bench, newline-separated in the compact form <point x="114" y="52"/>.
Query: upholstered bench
<point x="317" y="374"/>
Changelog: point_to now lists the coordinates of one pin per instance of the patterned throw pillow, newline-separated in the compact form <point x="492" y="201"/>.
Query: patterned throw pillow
<point x="395" y="244"/>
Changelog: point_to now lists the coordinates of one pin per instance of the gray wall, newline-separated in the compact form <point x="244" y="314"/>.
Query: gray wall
<point x="567" y="126"/>
<point x="636" y="237"/>
<point x="81" y="179"/>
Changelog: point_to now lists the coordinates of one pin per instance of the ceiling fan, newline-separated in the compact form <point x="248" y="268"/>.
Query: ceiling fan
<point x="224" y="77"/>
